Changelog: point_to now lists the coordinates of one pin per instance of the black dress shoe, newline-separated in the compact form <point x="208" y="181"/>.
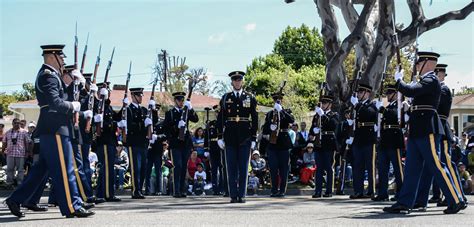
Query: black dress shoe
<point x="316" y="196"/>
<point x="339" y="193"/>
<point x="88" y="206"/>
<point x="281" y="195"/>
<point x="113" y="199"/>
<point x="14" y="208"/>
<point x="91" y="199"/>
<point x="226" y="195"/>
<point x="393" y="199"/>
<point x="327" y="195"/>
<point x="368" y="196"/>
<point x="99" y="200"/>
<point x="241" y="200"/>
<point x="396" y="209"/>
<point x="273" y="195"/>
<point x="356" y="196"/>
<point x="176" y="196"/>
<point x="419" y="207"/>
<point x="36" y="208"/>
<point x="380" y="198"/>
<point x="146" y="193"/>
<point x="138" y="197"/>
<point x="443" y="203"/>
<point x="455" y="208"/>
<point x="234" y="200"/>
<point x="81" y="213"/>
<point x="434" y="200"/>
<point x="53" y="204"/>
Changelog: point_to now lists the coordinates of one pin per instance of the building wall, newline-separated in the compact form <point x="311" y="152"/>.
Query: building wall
<point x="462" y="115"/>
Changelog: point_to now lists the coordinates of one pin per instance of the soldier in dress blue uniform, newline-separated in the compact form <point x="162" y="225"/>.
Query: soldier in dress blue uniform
<point x="210" y="142"/>
<point x="155" y="153"/>
<point x="364" y="142"/>
<point x="444" y="108"/>
<point x="55" y="130"/>
<point x="137" y="141"/>
<point x="238" y="124"/>
<point x="324" y="155"/>
<point x="343" y="156"/>
<point x="425" y="131"/>
<point x="106" y="145"/>
<point x="180" y="150"/>
<point x="277" y="121"/>
<point x="390" y="146"/>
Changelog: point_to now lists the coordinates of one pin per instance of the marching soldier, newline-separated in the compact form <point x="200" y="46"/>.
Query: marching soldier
<point x="277" y="122"/>
<point x="54" y="129"/>
<point x="238" y="124"/>
<point x="217" y="174"/>
<point x="155" y="153"/>
<point x="137" y="142"/>
<point x="444" y="108"/>
<point x="106" y="145"/>
<point x="390" y="147"/>
<point x="343" y="157"/>
<point x="325" y="154"/>
<point x="364" y="141"/>
<point x="180" y="150"/>
<point x="424" y="138"/>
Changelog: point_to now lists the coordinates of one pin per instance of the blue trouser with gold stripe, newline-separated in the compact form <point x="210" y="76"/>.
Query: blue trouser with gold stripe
<point x="423" y="153"/>
<point x="56" y="159"/>
<point x="324" y="163"/>
<point x="279" y="163"/>
<point x="237" y="163"/>
<point x="386" y="156"/>
<point x="427" y="177"/>
<point x="137" y="158"/>
<point x="105" y="184"/>
<point x="363" y="159"/>
<point x="86" y="165"/>
<point x="154" y="158"/>
<point x="217" y="175"/>
<point x="179" y="157"/>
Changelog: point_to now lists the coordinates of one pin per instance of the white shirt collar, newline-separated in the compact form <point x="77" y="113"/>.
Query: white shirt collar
<point x="135" y="104"/>
<point x="429" y="72"/>
<point x="49" y="66"/>
<point x="238" y="92"/>
<point x="177" y="108"/>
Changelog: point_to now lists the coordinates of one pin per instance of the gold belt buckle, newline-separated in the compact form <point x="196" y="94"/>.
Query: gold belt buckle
<point x="237" y="119"/>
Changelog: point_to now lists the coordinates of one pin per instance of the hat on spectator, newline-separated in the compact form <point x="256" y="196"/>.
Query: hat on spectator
<point x="32" y="124"/>
<point x="310" y="145"/>
<point x="255" y="152"/>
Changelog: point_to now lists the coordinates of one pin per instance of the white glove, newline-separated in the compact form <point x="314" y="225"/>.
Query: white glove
<point x="152" y="104"/>
<point x="188" y="104"/>
<point x="267" y="137"/>
<point x="350" y="140"/>
<point x="181" y="124"/>
<point x="148" y="122"/>
<point x="398" y="75"/>
<point x="221" y="144"/>
<point x="125" y="101"/>
<point x="378" y="104"/>
<point x="154" y="137"/>
<point x="252" y="145"/>
<point x="376" y="128"/>
<point x="273" y="127"/>
<point x="406" y="106"/>
<point x="354" y="100"/>
<point x="277" y="107"/>
<point x="94" y="88"/>
<point x="88" y="114"/>
<point x="206" y="154"/>
<point x="122" y="124"/>
<point x="350" y="122"/>
<point x="78" y="77"/>
<point x="412" y="83"/>
<point x="407" y="117"/>
<point x="104" y="92"/>
<point x="98" y="118"/>
<point x="316" y="130"/>
<point x="76" y="106"/>
<point x="319" y="111"/>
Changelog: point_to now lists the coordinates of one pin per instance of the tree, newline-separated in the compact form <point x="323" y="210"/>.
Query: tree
<point x="300" y="46"/>
<point x="465" y="91"/>
<point x="372" y="36"/>
<point x="27" y="93"/>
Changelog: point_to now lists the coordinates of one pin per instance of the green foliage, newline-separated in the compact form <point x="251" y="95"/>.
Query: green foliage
<point x="300" y="46"/>
<point x="5" y="100"/>
<point x="27" y="93"/>
<point x="465" y="91"/>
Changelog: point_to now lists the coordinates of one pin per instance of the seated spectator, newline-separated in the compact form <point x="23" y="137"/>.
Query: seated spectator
<point x="121" y="165"/>
<point x="309" y="166"/>
<point x="199" y="180"/>
<point x="253" y="183"/>
<point x="259" y="166"/>
<point x="192" y="167"/>
<point x="466" y="180"/>
<point x="470" y="161"/>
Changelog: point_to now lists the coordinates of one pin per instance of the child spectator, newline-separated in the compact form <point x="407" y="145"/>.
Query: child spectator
<point x="466" y="180"/>
<point x="253" y="183"/>
<point x="121" y="165"/>
<point x="193" y="162"/>
<point x="199" y="180"/>
<point x="258" y="165"/>
<point x="309" y="166"/>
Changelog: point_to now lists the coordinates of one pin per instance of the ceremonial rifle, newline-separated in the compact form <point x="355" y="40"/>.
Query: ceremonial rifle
<point x="379" y="115"/>
<point x="276" y="116"/>
<point x="90" y="102"/>
<point x="84" y="54"/>
<point x="124" y="107"/>
<point x="151" y="108"/>
<point x="102" y="97"/>
<point x="317" y="139"/>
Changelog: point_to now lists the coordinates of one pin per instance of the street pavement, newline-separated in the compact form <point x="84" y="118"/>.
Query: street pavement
<point x="258" y="211"/>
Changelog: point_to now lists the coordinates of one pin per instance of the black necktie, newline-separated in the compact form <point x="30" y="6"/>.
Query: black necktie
<point x="238" y="96"/>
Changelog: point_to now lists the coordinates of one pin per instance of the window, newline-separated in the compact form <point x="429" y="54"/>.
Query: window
<point x="467" y="118"/>
<point x="456" y="124"/>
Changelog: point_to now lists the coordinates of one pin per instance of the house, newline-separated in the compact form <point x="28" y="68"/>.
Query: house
<point x="462" y="113"/>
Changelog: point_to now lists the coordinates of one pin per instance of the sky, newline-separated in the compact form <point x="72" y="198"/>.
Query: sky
<point x="219" y="35"/>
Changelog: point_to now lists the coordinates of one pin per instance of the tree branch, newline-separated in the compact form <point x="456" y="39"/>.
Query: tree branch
<point x="416" y="10"/>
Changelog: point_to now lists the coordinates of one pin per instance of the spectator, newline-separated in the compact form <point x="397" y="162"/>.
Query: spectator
<point x="466" y="180"/>
<point x="309" y="166"/>
<point x="23" y="124"/>
<point x="2" y="155"/>
<point x="470" y="161"/>
<point x="121" y="165"/>
<point x="15" y="144"/>
<point x="198" y="142"/>
<point x="259" y="166"/>
<point x="463" y="141"/>
<point x="93" y="160"/>
<point x="193" y="162"/>
<point x="253" y="183"/>
<point x="292" y="133"/>
<point x="199" y="180"/>
<point x="302" y="136"/>
<point x="165" y="170"/>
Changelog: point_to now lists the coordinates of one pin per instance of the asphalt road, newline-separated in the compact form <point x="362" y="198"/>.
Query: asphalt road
<point x="258" y="211"/>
